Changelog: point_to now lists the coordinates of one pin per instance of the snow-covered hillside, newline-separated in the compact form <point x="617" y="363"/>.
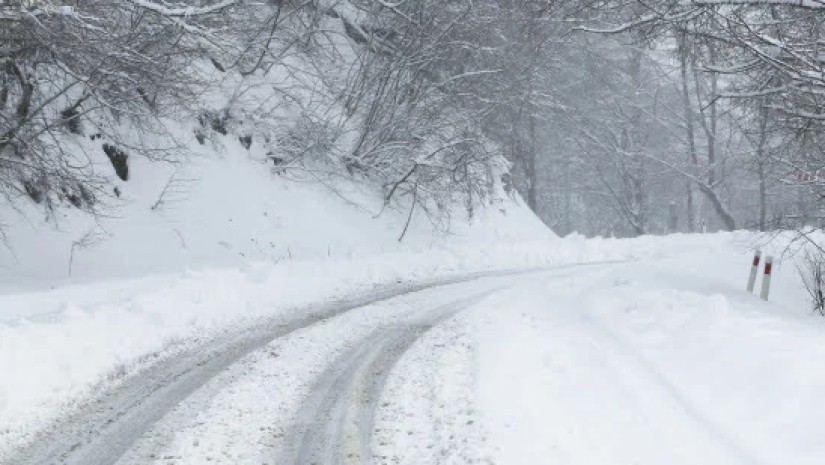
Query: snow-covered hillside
<point x="248" y="201"/>
<point x="262" y="165"/>
<point x="223" y="240"/>
<point x="230" y="208"/>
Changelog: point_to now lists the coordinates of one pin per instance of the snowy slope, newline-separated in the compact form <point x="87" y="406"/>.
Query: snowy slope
<point x="253" y="171"/>
<point x="227" y="209"/>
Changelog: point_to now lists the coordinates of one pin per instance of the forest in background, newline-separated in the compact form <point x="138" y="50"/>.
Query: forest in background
<point x="613" y="118"/>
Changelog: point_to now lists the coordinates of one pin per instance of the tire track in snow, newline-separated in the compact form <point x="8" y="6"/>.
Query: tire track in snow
<point x="336" y="421"/>
<point x="101" y="431"/>
<point x="653" y="390"/>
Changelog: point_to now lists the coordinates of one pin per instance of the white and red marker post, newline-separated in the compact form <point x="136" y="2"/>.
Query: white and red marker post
<point x="757" y="257"/>
<point x="766" y="280"/>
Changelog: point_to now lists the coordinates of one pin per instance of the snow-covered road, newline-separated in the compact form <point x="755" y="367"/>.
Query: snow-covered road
<point x="607" y="363"/>
<point x="131" y="423"/>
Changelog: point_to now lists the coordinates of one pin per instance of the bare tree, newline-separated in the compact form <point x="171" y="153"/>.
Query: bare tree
<point x="74" y="71"/>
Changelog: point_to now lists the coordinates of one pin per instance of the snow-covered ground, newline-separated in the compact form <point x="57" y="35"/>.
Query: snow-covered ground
<point x="62" y="345"/>
<point x="652" y="353"/>
<point x="663" y="361"/>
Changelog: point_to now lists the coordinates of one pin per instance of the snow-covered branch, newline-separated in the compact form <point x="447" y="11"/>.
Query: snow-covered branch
<point x="809" y="4"/>
<point x="184" y="11"/>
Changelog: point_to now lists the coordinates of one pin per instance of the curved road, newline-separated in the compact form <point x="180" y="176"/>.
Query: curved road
<point x="334" y="422"/>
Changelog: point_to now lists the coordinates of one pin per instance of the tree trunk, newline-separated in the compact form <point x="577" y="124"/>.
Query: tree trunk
<point x="639" y="176"/>
<point x="763" y="200"/>
<point x="719" y="207"/>
<point x="761" y="169"/>
<point x="691" y="208"/>
<point x="690" y="130"/>
<point x="672" y="218"/>
<point x="710" y="127"/>
<point x="530" y="166"/>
